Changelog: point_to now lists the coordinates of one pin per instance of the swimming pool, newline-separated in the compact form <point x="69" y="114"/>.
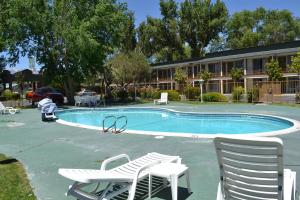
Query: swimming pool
<point x="173" y="123"/>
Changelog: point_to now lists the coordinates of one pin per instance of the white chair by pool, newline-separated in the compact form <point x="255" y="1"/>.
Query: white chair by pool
<point x="252" y="168"/>
<point x="125" y="176"/>
<point x="78" y="100"/>
<point x="8" y="110"/>
<point x="163" y="99"/>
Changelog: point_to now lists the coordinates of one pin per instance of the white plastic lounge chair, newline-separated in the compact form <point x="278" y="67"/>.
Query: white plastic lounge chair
<point x="163" y="99"/>
<point x="8" y="110"/>
<point x="48" y="111"/>
<point x="44" y="102"/>
<point x="125" y="177"/>
<point x="252" y="168"/>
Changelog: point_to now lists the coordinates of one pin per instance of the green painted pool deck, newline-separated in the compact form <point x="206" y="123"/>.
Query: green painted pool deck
<point x="44" y="147"/>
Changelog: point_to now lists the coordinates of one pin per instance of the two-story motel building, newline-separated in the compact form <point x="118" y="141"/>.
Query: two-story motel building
<point x="252" y="60"/>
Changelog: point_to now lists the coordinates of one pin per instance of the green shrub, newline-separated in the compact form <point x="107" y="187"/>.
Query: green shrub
<point x="191" y="92"/>
<point x="2" y="98"/>
<point x="237" y="93"/>
<point x="155" y="94"/>
<point x="252" y="95"/>
<point x="16" y="96"/>
<point x="173" y="95"/>
<point x="120" y="93"/>
<point x="214" y="97"/>
<point x="7" y="94"/>
<point x="131" y="92"/>
<point x="149" y="93"/>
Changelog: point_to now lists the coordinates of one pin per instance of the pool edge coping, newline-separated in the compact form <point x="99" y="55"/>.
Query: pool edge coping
<point x="294" y="128"/>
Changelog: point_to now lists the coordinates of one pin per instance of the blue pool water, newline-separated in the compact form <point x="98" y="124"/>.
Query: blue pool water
<point x="159" y="120"/>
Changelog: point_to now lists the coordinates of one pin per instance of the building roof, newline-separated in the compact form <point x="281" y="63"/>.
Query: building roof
<point x="286" y="45"/>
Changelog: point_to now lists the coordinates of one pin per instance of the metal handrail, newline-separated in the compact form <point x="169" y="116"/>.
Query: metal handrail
<point x="114" y="124"/>
<point x="123" y="128"/>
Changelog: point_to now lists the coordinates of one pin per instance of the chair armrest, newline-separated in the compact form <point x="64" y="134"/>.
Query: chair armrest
<point x="136" y="176"/>
<point x="109" y="160"/>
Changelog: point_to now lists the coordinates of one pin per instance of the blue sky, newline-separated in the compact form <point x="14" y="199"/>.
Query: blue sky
<point x="144" y="8"/>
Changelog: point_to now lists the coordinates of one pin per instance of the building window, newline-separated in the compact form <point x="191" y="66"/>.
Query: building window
<point x="164" y="74"/>
<point x="282" y="63"/>
<point x="228" y="85"/>
<point x="214" y="69"/>
<point x="224" y="69"/>
<point x="289" y="60"/>
<point x="153" y="75"/>
<point x="239" y="64"/>
<point x="257" y="66"/>
<point x="229" y="67"/>
<point x="203" y="68"/>
<point x="213" y="86"/>
<point x="165" y="86"/>
<point x="190" y="71"/>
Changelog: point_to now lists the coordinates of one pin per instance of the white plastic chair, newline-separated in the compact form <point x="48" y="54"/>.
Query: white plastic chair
<point x="91" y="100"/>
<point x="86" y="99"/>
<point x="125" y="176"/>
<point x="163" y="99"/>
<point x="78" y="100"/>
<point x="252" y="168"/>
<point x="8" y="110"/>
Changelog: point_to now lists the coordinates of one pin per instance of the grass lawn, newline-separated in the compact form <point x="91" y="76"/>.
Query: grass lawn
<point x="13" y="180"/>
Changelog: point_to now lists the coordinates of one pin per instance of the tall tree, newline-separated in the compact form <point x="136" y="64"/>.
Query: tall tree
<point x="201" y="21"/>
<point x="173" y="46"/>
<point x="149" y="37"/>
<point x="159" y="39"/>
<point x="261" y="27"/>
<point x="218" y="44"/>
<point x="69" y="38"/>
<point x="2" y="67"/>
<point x="128" y="35"/>
<point x="131" y="67"/>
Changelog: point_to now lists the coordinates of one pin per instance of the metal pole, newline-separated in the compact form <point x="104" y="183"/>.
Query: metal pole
<point x="201" y="92"/>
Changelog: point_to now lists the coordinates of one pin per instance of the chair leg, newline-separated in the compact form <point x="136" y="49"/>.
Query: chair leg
<point x="187" y="176"/>
<point x="131" y="190"/>
<point x="150" y="186"/>
<point x="220" y="194"/>
<point x="294" y="186"/>
<point x="174" y="186"/>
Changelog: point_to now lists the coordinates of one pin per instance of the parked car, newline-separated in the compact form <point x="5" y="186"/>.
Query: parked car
<point x="29" y="94"/>
<point x="49" y="92"/>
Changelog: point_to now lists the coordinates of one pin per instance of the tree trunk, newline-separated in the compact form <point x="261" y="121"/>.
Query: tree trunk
<point x="69" y="89"/>
<point x="134" y="85"/>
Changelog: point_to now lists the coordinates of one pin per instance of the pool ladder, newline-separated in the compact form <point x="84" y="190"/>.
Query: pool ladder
<point x="113" y="127"/>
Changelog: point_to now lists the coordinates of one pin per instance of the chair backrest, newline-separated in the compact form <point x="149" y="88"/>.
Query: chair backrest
<point x="164" y="96"/>
<point x="49" y="108"/>
<point x="44" y="102"/>
<point x="250" y="167"/>
<point x="77" y="99"/>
